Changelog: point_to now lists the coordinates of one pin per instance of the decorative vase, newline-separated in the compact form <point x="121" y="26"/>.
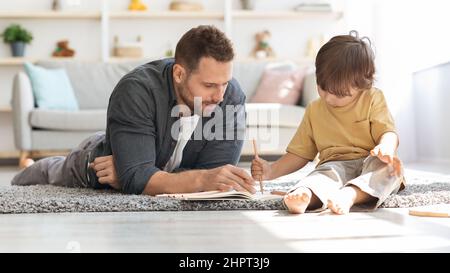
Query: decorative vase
<point x="18" y="49"/>
<point x="248" y="4"/>
<point x="56" y="5"/>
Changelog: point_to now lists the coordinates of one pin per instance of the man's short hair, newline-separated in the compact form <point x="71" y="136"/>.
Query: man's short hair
<point x="203" y="41"/>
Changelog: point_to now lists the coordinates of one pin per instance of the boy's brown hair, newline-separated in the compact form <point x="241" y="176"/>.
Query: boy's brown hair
<point x="203" y="41"/>
<point x="343" y="62"/>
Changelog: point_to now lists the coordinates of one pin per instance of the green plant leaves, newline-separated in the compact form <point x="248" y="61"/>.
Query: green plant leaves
<point x="16" y="33"/>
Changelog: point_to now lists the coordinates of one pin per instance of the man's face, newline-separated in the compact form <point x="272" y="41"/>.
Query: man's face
<point x="208" y="82"/>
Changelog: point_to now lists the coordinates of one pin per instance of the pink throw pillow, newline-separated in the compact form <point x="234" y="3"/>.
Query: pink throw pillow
<point x="278" y="86"/>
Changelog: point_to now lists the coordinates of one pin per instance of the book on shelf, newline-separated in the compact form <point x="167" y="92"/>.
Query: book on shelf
<point x="314" y="6"/>
<point x="219" y="195"/>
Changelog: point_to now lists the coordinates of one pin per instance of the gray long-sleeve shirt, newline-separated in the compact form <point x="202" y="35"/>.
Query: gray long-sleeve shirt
<point x="139" y="124"/>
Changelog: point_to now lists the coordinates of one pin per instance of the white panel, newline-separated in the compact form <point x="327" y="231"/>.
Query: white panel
<point x="432" y="111"/>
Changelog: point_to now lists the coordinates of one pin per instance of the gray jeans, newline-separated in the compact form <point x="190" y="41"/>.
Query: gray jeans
<point x="369" y="174"/>
<point x="68" y="171"/>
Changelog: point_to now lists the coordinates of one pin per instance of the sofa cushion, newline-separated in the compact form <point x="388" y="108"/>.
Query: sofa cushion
<point x="83" y="120"/>
<point x="279" y="87"/>
<point x="309" y="92"/>
<point x="51" y="88"/>
<point x="274" y="114"/>
<point x="93" y="82"/>
<point x="249" y="73"/>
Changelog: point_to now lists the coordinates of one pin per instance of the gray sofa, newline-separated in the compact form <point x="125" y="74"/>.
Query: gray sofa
<point x="36" y="129"/>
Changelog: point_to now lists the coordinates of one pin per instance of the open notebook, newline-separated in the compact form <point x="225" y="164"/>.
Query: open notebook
<point x="218" y="195"/>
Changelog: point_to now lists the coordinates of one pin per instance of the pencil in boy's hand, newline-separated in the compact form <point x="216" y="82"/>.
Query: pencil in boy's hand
<point x="255" y="150"/>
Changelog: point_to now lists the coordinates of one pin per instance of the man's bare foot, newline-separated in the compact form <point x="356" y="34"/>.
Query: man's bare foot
<point x="342" y="201"/>
<point x="298" y="200"/>
<point x="27" y="162"/>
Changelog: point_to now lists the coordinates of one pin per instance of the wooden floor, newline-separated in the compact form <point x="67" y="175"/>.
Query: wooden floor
<point x="386" y="230"/>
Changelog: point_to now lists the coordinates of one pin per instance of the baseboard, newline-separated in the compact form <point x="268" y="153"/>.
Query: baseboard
<point x="9" y="161"/>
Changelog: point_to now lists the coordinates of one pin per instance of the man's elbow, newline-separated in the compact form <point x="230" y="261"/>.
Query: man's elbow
<point x="135" y="181"/>
<point x="130" y="184"/>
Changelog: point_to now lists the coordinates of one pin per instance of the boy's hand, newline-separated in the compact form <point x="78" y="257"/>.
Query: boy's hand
<point x="105" y="171"/>
<point x="260" y="169"/>
<point x="386" y="154"/>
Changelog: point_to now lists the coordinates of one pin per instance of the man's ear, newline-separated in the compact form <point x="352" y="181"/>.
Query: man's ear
<point x="178" y="73"/>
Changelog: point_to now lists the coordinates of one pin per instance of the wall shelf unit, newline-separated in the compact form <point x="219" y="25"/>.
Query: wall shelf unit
<point x="167" y="15"/>
<point x="285" y="15"/>
<point x="51" y="15"/>
<point x="5" y="109"/>
<point x="15" y="61"/>
<point x="105" y="16"/>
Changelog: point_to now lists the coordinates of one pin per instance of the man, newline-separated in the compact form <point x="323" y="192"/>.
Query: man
<point x="152" y="134"/>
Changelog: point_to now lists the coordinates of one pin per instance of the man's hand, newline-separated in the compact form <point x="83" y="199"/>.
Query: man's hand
<point x="226" y="178"/>
<point x="105" y="171"/>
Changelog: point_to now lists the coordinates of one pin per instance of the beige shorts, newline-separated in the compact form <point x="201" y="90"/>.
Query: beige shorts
<point x="369" y="174"/>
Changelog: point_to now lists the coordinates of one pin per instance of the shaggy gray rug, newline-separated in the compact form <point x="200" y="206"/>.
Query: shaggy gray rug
<point x="46" y="199"/>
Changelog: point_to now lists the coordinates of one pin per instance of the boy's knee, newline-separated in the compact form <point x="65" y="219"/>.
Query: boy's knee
<point x="373" y="163"/>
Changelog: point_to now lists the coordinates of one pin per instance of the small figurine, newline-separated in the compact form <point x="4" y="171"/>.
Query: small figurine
<point x="56" y="5"/>
<point x="137" y="5"/>
<point x="185" y="5"/>
<point x="63" y="50"/>
<point x="129" y="49"/>
<point x="262" y="49"/>
<point x="313" y="45"/>
<point x="169" y="51"/>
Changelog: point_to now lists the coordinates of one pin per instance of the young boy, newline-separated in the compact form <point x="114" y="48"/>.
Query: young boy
<point x="352" y="130"/>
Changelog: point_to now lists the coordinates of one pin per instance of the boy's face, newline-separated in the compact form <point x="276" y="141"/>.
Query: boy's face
<point x="335" y="101"/>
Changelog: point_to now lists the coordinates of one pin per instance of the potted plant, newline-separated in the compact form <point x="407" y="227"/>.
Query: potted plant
<point x="18" y="37"/>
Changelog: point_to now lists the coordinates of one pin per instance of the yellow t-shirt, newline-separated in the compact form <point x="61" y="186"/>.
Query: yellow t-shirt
<point x="342" y="133"/>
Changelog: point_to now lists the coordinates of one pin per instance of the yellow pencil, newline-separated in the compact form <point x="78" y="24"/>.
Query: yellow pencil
<point x="256" y="156"/>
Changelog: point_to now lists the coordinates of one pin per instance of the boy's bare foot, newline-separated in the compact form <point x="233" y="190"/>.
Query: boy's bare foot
<point x="339" y="206"/>
<point x="298" y="200"/>
<point x="342" y="201"/>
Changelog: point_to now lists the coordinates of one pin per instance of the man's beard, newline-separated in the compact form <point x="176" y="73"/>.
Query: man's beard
<point x="186" y="97"/>
<point x="204" y="108"/>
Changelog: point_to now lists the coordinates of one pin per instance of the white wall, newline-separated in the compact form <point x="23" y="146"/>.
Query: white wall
<point x="431" y="92"/>
<point x="407" y="36"/>
<point x="411" y="35"/>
